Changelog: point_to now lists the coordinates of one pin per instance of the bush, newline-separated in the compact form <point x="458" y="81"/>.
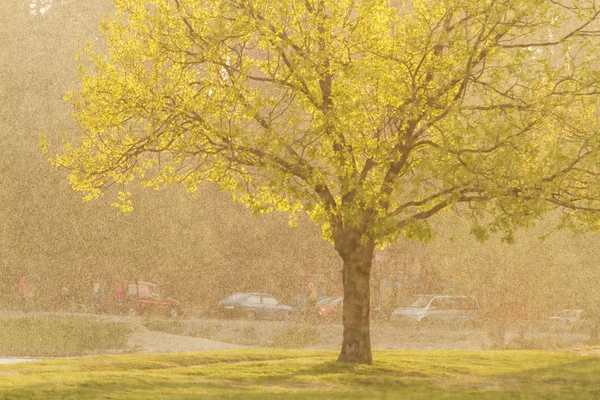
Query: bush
<point x="60" y="336"/>
<point x="167" y="326"/>
<point x="296" y="337"/>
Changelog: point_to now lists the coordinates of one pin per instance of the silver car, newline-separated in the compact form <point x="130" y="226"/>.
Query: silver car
<point x="567" y="320"/>
<point x="443" y="309"/>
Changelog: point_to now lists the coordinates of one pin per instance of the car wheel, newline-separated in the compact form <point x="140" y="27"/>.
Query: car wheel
<point x="133" y="311"/>
<point x="251" y="315"/>
<point x="174" y="312"/>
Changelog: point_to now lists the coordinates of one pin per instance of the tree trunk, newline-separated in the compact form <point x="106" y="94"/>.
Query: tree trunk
<point x="356" y="345"/>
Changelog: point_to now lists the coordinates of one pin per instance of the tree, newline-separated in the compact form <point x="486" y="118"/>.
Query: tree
<point x="525" y="282"/>
<point x="31" y="86"/>
<point x="369" y="115"/>
<point x="163" y="240"/>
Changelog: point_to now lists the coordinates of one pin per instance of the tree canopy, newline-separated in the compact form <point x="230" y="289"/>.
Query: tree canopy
<point x="370" y="115"/>
<point x="163" y="241"/>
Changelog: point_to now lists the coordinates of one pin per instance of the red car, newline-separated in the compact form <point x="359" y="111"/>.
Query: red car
<point x="143" y="298"/>
<point x="331" y="309"/>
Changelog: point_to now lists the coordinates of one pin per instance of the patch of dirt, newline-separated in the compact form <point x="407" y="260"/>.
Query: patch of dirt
<point x="322" y="336"/>
<point x="384" y="335"/>
<point x="145" y="341"/>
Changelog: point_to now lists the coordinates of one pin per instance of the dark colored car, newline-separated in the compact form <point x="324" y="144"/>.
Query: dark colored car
<point x="253" y="306"/>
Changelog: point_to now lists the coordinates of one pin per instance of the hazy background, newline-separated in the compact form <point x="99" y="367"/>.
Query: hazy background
<point x="200" y="249"/>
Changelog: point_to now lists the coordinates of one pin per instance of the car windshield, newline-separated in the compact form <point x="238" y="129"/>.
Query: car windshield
<point x="330" y="300"/>
<point x="567" y="314"/>
<point x="420" y="301"/>
<point x="236" y="297"/>
<point x="270" y="301"/>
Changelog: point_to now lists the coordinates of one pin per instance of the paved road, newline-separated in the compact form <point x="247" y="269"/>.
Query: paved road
<point x="11" y="360"/>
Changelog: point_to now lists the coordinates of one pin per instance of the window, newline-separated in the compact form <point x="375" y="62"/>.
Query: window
<point x="253" y="300"/>
<point x="132" y="289"/>
<point x="236" y="297"/>
<point x="465" y="303"/>
<point x="269" y="301"/>
<point x="441" y="303"/>
<point x="39" y="7"/>
<point x="144" y="291"/>
<point x="454" y="303"/>
<point x="568" y="314"/>
<point x="421" y="302"/>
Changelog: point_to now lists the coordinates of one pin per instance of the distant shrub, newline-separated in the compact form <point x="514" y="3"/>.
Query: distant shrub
<point x="249" y="332"/>
<point x="296" y="337"/>
<point x="167" y="326"/>
<point x="60" y="336"/>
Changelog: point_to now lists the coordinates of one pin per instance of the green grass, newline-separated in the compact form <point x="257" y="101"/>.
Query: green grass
<point x="296" y="374"/>
<point x="59" y="336"/>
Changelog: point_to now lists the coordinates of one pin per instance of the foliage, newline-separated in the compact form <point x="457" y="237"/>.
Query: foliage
<point x="60" y="336"/>
<point x="230" y="249"/>
<point x="540" y="276"/>
<point x="368" y="115"/>
<point x="260" y="374"/>
<point x="371" y="116"/>
<point x="162" y="325"/>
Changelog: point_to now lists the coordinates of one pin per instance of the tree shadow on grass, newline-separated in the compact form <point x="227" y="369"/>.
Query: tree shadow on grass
<point x="321" y="381"/>
<point x="578" y="379"/>
<point x="324" y="380"/>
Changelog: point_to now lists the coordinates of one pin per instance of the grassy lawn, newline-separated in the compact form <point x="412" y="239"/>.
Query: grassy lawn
<point x="59" y="336"/>
<point x="296" y="374"/>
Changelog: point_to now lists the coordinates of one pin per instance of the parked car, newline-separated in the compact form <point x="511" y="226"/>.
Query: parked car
<point x="567" y="320"/>
<point x="299" y="302"/>
<point x="28" y="291"/>
<point x="442" y="309"/>
<point x="144" y="298"/>
<point x="253" y="306"/>
<point x="331" y="309"/>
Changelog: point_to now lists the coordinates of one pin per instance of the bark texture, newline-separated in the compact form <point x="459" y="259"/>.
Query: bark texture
<point x="356" y="345"/>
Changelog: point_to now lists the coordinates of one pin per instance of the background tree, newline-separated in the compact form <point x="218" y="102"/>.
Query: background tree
<point x="372" y="117"/>
<point x="178" y="242"/>
<point x="522" y="284"/>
